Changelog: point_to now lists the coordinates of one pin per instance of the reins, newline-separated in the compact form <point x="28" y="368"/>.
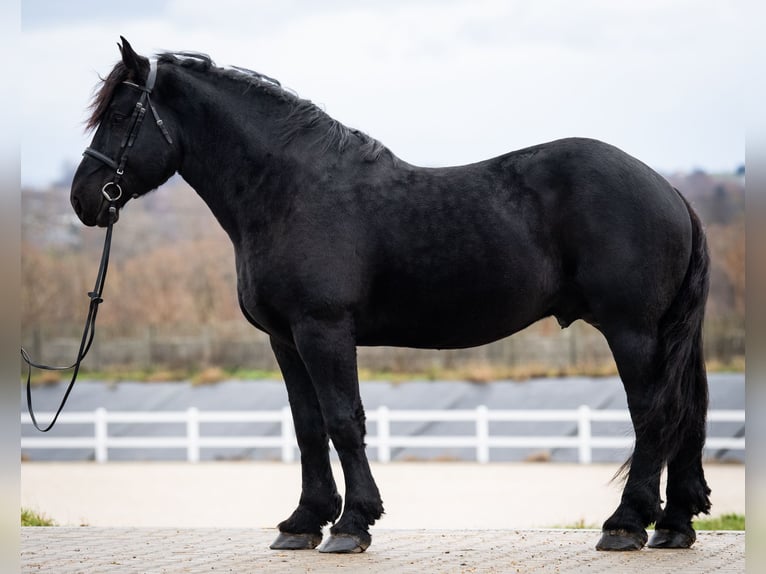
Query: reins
<point x="89" y="330"/>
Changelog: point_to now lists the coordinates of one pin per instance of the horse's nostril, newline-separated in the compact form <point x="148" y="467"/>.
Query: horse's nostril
<point x="76" y="205"/>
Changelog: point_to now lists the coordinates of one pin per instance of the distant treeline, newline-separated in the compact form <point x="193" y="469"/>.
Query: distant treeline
<point x="170" y="298"/>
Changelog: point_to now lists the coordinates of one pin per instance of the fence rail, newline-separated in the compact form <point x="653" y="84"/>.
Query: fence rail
<point x="584" y="441"/>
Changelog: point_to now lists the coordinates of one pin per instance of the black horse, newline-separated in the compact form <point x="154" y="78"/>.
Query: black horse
<point x="339" y="243"/>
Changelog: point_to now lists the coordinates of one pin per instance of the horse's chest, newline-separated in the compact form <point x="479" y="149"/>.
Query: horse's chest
<point x="258" y="299"/>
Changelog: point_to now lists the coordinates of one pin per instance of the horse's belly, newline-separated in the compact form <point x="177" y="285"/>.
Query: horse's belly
<point x="444" y="321"/>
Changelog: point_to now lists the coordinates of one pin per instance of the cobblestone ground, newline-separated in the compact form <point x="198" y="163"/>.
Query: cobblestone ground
<point x="159" y="550"/>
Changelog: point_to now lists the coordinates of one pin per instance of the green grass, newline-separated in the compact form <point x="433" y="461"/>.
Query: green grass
<point x="723" y="522"/>
<point x="159" y="375"/>
<point x="32" y="518"/>
<point x="474" y="372"/>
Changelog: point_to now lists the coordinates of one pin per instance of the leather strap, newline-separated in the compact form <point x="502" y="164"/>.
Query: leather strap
<point x="87" y="335"/>
<point x="101" y="157"/>
<point x="137" y="119"/>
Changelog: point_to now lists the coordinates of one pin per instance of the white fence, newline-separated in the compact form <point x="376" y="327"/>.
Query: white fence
<point x="481" y="440"/>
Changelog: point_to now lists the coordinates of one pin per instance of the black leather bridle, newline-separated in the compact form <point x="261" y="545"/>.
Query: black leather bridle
<point x="95" y="296"/>
<point x="139" y="111"/>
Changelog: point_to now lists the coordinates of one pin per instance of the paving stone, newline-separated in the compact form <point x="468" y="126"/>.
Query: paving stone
<point x="63" y="550"/>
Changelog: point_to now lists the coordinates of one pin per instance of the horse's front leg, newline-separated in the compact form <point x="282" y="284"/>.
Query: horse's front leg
<point x="328" y="350"/>
<point x="320" y="502"/>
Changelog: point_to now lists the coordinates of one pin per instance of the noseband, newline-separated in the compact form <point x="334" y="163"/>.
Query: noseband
<point x="139" y="111"/>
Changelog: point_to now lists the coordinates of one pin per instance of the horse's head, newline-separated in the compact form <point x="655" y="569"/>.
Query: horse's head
<point x="134" y="149"/>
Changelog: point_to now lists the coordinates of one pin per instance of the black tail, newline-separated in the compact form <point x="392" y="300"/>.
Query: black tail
<point x="680" y="401"/>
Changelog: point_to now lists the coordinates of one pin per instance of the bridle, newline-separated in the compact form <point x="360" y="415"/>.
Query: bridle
<point x="95" y="296"/>
<point x="139" y="111"/>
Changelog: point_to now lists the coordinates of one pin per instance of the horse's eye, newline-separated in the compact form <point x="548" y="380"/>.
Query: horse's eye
<point x="117" y="119"/>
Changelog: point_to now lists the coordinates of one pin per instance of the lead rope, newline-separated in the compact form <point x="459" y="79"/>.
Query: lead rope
<point x="88" y="332"/>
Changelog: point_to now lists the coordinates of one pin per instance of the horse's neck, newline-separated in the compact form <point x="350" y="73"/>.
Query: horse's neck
<point x="228" y="158"/>
<point x="235" y="156"/>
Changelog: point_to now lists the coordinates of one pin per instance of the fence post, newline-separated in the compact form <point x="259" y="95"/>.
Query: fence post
<point x="288" y="436"/>
<point x="482" y="434"/>
<point x="584" y="434"/>
<point x="150" y="337"/>
<point x="100" y="435"/>
<point x="384" y="435"/>
<point x="192" y="434"/>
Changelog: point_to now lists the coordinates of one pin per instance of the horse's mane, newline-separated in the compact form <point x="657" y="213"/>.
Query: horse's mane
<point x="303" y="113"/>
<point x="103" y="94"/>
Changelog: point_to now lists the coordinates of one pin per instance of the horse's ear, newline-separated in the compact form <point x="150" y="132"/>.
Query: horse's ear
<point x="135" y="64"/>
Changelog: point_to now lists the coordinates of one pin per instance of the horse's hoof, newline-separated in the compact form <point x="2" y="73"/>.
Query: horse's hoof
<point x="345" y="544"/>
<point x="621" y="540"/>
<point x="664" y="538"/>
<point x="287" y="541"/>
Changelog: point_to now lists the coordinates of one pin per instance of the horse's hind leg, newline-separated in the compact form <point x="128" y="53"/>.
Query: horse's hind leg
<point x="319" y="501"/>
<point x="328" y="349"/>
<point x="634" y="353"/>
<point x="687" y="493"/>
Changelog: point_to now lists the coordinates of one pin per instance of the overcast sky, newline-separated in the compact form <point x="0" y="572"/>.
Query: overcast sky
<point x="439" y="82"/>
